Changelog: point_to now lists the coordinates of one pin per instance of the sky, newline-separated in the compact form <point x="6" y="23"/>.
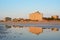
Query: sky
<point x="22" y="8"/>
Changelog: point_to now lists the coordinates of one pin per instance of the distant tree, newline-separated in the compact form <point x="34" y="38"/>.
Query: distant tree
<point x="8" y="19"/>
<point x="27" y="19"/>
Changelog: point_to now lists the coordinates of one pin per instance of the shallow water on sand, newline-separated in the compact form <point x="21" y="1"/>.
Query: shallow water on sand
<point x="28" y="33"/>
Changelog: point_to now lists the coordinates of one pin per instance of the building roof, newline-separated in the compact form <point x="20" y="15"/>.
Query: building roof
<point x="37" y="12"/>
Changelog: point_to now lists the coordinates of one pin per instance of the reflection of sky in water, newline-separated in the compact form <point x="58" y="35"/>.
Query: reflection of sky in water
<point x="24" y="34"/>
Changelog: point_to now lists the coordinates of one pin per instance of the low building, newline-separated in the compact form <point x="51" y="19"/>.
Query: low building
<point x="55" y="17"/>
<point x="54" y="29"/>
<point x="36" y="16"/>
<point x="15" y="20"/>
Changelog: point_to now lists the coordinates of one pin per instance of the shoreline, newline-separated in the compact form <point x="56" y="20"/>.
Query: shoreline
<point x="52" y="24"/>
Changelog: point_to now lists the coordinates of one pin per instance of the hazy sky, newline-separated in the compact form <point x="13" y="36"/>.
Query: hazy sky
<point x="22" y="8"/>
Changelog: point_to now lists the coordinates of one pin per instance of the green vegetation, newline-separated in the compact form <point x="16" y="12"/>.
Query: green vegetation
<point x="8" y="19"/>
<point x="51" y="18"/>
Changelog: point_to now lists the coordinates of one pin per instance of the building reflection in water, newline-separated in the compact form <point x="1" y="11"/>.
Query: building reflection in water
<point x="35" y="30"/>
<point x="54" y="29"/>
<point x="14" y="26"/>
<point x="17" y="26"/>
<point x="8" y="26"/>
<point x="38" y="30"/>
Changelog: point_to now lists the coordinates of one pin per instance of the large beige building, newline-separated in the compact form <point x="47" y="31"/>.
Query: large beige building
<point x="36" y="16"/>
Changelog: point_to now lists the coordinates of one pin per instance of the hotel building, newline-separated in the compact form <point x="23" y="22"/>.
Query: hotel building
<point x="36" y="16"/>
